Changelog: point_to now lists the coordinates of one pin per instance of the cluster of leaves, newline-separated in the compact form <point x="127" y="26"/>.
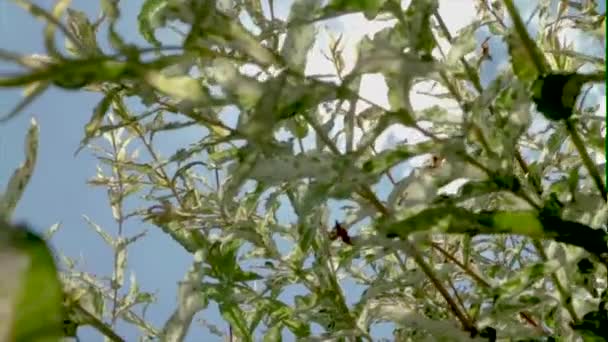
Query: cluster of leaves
<point x="500" y="258"/>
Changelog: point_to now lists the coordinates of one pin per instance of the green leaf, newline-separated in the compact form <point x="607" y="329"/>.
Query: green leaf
<point x="298" y="126"/>
<point x="289" y="101"/>
<point x="91" y="129"/>
<point x="152" y="16"/>
<point x="80" y="73"/>
<point x="28" y="311"/>
<point x="273" y="334"/>
<point x="81" y="28"/>
<point x="121" y="263"/>
<point x="300" y="38"/>
<point x="475" y="189"/>
<point x="234" y="34"/>
<point x="418" y="26"/>
<point x="180" y="88"/>
<point x="389" y="158"/>
<point x="21" y="177"/>
<point x="454" y="220"/>
<point x="234" y="315"/>
<point x="521" y="61"/>
<point x="222" y="257"/>
<point x="339" y="7"/>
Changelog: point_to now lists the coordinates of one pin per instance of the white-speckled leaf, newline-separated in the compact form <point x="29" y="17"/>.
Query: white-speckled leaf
<point x="329" y="172"/>
<point x="300" y="38"/>
<point x="283" y="168"/>
<point x="20" y="178"/>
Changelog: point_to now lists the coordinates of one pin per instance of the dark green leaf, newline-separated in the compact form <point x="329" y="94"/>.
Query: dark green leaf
<point x="555" y="94"/>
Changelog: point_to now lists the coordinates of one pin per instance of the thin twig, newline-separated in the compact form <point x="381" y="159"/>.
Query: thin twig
<point x="118" y="202"/>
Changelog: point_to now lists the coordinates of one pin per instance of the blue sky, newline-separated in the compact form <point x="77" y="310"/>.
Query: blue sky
<point x="58" y="192"/>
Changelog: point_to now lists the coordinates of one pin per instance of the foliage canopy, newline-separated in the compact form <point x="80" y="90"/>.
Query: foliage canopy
<point x="501" y="235"/>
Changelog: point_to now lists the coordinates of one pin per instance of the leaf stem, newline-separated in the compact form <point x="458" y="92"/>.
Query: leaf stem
<point x="116" y="202"/>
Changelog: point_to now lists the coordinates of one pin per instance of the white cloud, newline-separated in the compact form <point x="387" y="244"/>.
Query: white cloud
<point x="457" y="13"/>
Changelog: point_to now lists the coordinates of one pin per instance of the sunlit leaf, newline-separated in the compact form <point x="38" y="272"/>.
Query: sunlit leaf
<point x="181" y="88"/>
